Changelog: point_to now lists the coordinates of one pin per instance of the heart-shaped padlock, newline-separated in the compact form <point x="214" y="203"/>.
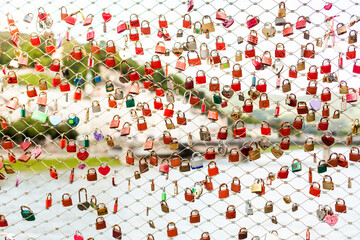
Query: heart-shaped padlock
<point x="82" y="154"/>
<point x="104" y="169"/>
<point x="78" y="236"/>
<point x="277" y="66"/>
<point x="264" y="143"/>
<point x="331" y="219"/>
<point x="55" y="119"/>
<point x="81" y="166"/>
<point x="106" y="16"/>
<point x="26" y="144"/>
<point x="73" y="120"/>
<point x="197" y="190"/>
<point x="98" y="135"/>
<point x="315" y="104"/>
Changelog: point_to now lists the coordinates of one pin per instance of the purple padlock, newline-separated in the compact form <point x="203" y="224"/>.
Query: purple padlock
<point x="98" y="135"/>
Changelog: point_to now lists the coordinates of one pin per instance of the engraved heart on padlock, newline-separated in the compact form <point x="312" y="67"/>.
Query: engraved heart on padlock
<point x="106" y="16"/>
<point x="331" y="219"/>
<point x="82" y="154"/>
<point x="104" y="169"/>
<point x="315" y="104"/>
<point x="81" y="166"/>
<point x="55" y="120"/>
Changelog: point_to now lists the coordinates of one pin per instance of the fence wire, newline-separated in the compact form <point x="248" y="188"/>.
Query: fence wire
<point x="139" y="211"/>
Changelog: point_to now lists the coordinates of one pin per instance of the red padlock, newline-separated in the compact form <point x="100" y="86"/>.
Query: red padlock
<point x="283" y="172"/>
<point x="171" y="230"/>
<point x="169" y="110"/>
<point x="53" y="172"/>
<point x="239" y="132"/>
<point x="235" y="185"/>
<point x="252" y="37"/>
<point x="301" y="22"/>
<point x="210" y="153"/>
<point x="77" y="94"/>
<point x="315" y="189"/>
<point x="351" y="53"/>
<point x="261" y="85"/>
<point x="187" y="21"/>
<point x="134" y="22"/>
<point x="308" y="53"/>
<point x="293" y="71"/>
<point x="323" y="124"/>
<point x="236" y="85"/>
<point x="90" y="35"/>
<point x="223" y="192"/>
<point x="280" y="53"/>
<point x="129" y="157"/>
<point x="122" y="26"/>
<point x="155" y="62"/>
<point x="230" y="212"/>
<point x="326" y="95"/>
<point x="7" y="142"/>
<point x="356" y="67"/>
<point x="248" y="107"/>
<point x="325" y="68"/>
<point x="158" y="105"/>
<point x="220" y="44"/>
<point x="189" y="195"/>
<point x="34" y="39"/>
<point x="265" y="128"/>
<point x="213" y="170"/>
<point x="48" y="201"/>
<point x="49" y="47"/>
<point x="285" y="129"/>
<point x="162" y="21"/>
<point x="313" y="73"/>
<point x="222" y="133"/>
<point x="252" y="21"/>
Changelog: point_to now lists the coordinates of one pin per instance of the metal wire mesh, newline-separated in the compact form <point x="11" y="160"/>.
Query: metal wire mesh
<point x="137" y="202"/>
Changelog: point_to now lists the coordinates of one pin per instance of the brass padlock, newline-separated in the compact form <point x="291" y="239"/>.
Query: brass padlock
<point x="256" y="187"/>
<point x="238" y="56"/>
<point x="137" y="175"/>
<point x="269" y="207"/>
<point x="301" y="64"/>
<point x="274" y="220"/>
<point x="352" y="36"/>
<point x="328" y="183"/>
<point x="294" y="207"/>
<point x="164" y="206"/>
<point x="287" y="199"/>
<point x="306" y="34"/>
<point x="319" y="42"/>
<point x="310" y="117"/>
<point x="241" y="96"/>
<point x="102" y="209"/>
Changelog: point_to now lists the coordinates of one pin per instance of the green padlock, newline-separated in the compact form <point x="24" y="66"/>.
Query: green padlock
<point x="109" y="86"/>
<point x="27" y="214"/>
<point x="86" y="141"/>
<point x="130" y="102"/>
<point x="22" y="111"/>
<point x="296" y="165"/>
<point x="217" y="98"/>
<point x="163" y="195"/>
<point x="322" y="166"/>
<point x="39" y="116"/>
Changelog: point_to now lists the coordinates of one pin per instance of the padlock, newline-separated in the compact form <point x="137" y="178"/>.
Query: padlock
<point x="256" y="187"/>
<point x="196" y="161"/>
<point x="252" y="37"/>
<point x="269" y="207"/>
<point x="280" y="53"/>
<point x="341" y="29"/>
<point x="27" y="213"/>
<point x="283" y="172"/>
<point x="315" y="189"/>
<point x="327" y="183"/>
<point x="308" y="53"/>
<point x="66" y="200"/>
<point x="213" y="171"/>
<point x="195" y="61"/>
<point x="239" y="132"/>
<point x="248" y="208"/>
<point x="223" y="191"/>
<point x="100" y="223"/>
<point x="254" y="153"/>
<point x="265" y="128"/>
<point x="171" y="230"/>
<point x="194" y="216"/>
<point x="235" y="185"/>
<point x="340" y="205"/>
<point x="252" y="21"/>
<point x="288" y="29"/>
<point x="301" y="22"/>
<point x="28" y="17"/>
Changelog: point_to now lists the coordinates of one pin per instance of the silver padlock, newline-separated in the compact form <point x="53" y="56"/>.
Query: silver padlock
<point x="320" y="213"/>
<point x="196" y="161"/>
<point x="248" y="208"/>
<point x="28" y="18"/>
<point x="119" y="94"/>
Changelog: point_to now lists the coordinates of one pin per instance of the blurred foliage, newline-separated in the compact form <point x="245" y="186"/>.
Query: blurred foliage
<point x="33" y="129"/>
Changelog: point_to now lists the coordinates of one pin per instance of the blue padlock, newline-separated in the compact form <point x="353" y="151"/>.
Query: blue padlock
<point x="73" y="120"/>
<point x="79" y="80"/>
<point x="97" y="78"/>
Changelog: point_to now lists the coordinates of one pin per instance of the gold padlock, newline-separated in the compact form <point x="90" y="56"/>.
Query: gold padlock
<point x="287" y="199"/>
<point x="137" y="175"/>
<point x="257" y="186"/>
